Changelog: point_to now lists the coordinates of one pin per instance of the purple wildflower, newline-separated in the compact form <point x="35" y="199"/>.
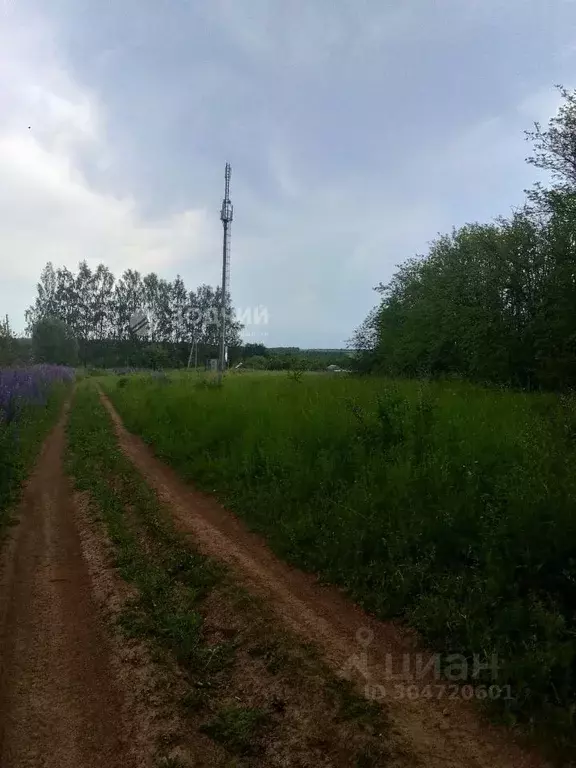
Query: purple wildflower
<point x="19" y="386"/>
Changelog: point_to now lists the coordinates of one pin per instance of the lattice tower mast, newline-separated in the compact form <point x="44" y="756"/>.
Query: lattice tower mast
<point x="226" y="216"/>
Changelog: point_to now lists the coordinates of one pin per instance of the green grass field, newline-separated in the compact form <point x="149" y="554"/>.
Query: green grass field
<point x="449" y="505"/>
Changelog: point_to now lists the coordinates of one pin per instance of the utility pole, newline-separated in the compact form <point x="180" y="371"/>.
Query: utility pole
<point x="226" y="215"/>
<point x="193" y="349"/>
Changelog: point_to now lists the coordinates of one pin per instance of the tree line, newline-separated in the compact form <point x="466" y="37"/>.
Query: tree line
<point x="492" y="302"/>
<point x="89" y="311"/>
<point x="12" y="349"/>
<point x="257" y="357"/>
<point x="84" y="317"/>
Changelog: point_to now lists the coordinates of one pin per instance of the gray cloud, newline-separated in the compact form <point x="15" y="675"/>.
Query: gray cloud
<point x="357" y="130"/>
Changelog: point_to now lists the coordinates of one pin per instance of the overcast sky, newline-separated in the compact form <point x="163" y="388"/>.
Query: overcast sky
<point x="357" y="130"/>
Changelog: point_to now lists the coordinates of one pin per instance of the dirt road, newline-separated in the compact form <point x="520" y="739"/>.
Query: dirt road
<point x="63" y="702"/>
<point x="59" y="706"/>
<point x="441" y="731"/>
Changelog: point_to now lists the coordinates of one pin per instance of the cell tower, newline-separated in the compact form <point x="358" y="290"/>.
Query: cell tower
<point x="226" y="216"/>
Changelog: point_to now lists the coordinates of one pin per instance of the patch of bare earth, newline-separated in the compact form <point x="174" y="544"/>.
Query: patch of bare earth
<point x="60" y="704"/>
<point x="436" y="731"/>
<point x="308" y="718"/>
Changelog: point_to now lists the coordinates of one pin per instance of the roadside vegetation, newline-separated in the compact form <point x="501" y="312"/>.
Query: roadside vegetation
<point x="446" y="504"/>
<point x="492" y="301"/>
<point x="241" y="683"/>
<point x="30" y="401"/>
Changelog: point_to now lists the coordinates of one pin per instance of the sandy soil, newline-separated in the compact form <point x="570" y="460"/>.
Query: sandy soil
<point x="441" y="731"/>
<point x="59" y="704"/>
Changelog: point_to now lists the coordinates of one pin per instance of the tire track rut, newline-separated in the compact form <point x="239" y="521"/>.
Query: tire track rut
<point x="59" y="705"/>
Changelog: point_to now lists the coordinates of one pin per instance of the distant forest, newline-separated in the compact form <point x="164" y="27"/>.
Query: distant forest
<point x="83" y="318"/>
<point x="492" y="302"/>
<point x="96" y="308"/>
